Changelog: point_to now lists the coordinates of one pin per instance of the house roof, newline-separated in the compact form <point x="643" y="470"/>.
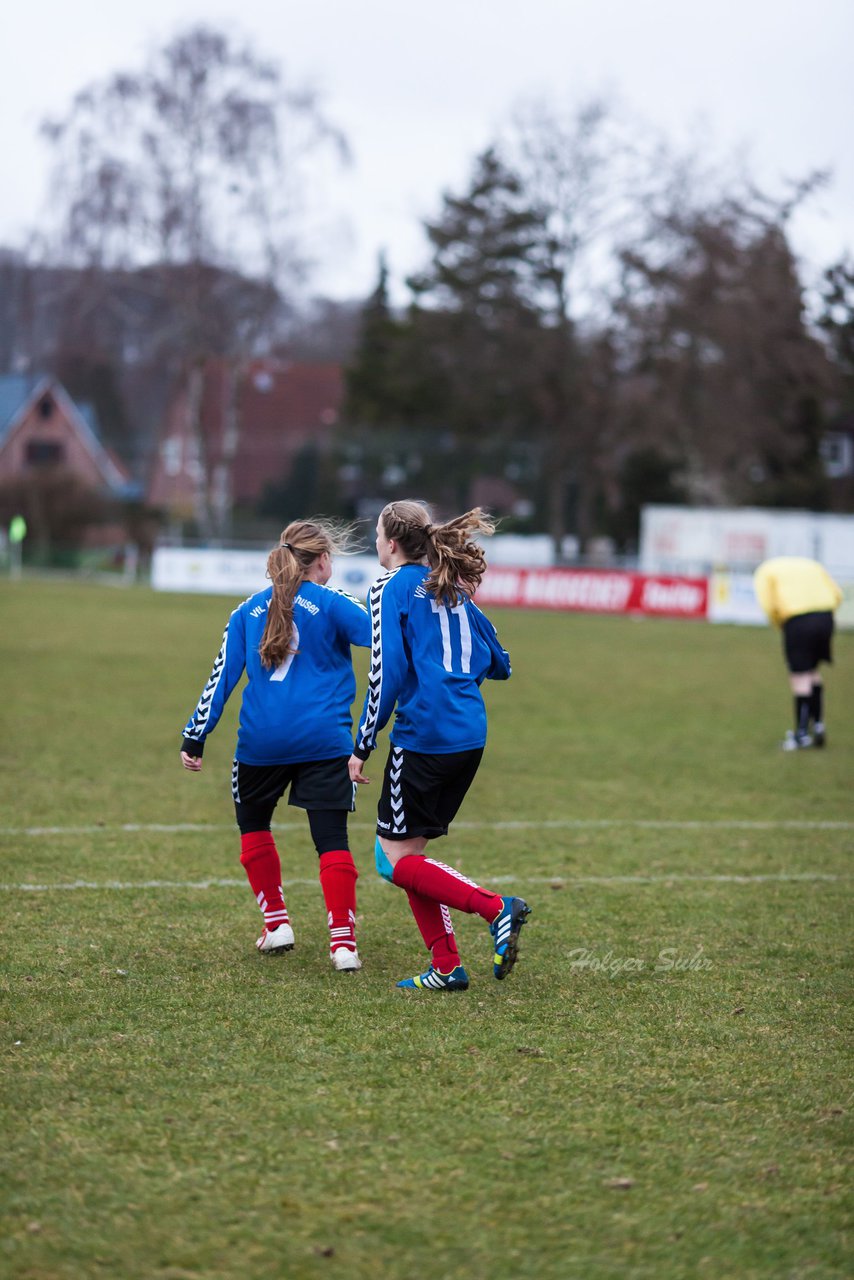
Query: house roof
<point x="16" y="389"/>
<point x="19" y="391"/>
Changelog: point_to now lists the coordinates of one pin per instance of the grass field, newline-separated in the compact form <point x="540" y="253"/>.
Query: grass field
<point x="660" y="1089"/>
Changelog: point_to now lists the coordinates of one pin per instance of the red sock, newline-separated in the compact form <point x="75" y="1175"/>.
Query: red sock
<point x="434" y="923"/>
<point x="338" y="877"/>
<point x="443" y="884"/>
<point x="260" y="859"/>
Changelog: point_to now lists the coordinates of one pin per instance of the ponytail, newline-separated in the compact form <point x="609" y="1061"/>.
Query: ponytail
<point x="287" y="565"/>
<point x="457" y="563"/>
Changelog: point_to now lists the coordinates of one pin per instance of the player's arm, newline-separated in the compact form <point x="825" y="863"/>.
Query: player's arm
<point x="355" y="623"/>
<point x="834" y="588"/>
<point x="388" y="666"/>
<point x="227" y="669"/>
<point x="499" y="668"/>
<point x="763" y="585"/>
<point x="352" y="619"/>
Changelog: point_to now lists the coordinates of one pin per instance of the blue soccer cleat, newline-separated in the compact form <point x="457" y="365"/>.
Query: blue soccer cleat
<point x="433" y="980"/>
<point x="505" y="929"/>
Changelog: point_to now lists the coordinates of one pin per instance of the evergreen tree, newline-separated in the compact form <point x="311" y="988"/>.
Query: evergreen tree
<point x="476" y="305"/>
<point x="441" y="394"/>
<point x="371" y="378"/>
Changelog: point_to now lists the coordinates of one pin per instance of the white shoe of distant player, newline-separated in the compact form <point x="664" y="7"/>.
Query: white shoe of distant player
<point x="274" y="941"/>
<point x="345" y="961"/>
<point x="796" y="741"/>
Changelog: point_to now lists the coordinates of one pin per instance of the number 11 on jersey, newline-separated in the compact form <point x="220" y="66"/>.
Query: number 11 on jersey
<point x="444" y="614"/>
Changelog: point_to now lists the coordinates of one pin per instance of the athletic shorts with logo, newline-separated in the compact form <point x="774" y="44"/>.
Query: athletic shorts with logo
<point x="314" y="785"/>
<point x="807" y="640"/>
<point x="421" y="794"/>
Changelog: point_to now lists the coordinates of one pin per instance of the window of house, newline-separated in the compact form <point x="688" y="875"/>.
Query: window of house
<point x="44" y="453"/>
<point x="837" y="454"/>
<point x="46" y="407"/>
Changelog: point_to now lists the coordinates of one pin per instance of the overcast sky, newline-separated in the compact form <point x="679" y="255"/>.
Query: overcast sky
<point x="420" y="89"/>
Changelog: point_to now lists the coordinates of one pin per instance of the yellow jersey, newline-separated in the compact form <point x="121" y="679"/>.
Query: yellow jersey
<point x="790" y="585"/>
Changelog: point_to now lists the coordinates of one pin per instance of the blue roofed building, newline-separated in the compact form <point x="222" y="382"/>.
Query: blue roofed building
<point x="42" y="428"/>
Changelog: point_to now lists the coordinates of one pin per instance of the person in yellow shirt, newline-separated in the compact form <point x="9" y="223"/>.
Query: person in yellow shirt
<point x="799" y="596"/>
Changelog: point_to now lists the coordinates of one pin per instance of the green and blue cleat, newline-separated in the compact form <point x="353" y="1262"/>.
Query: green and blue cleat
<point x="433" y="980"/>
<point x="505" y="929"/>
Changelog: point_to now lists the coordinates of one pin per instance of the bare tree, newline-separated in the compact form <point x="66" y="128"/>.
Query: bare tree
<point x="729" y="381"/>
<point x="191" y="168"/>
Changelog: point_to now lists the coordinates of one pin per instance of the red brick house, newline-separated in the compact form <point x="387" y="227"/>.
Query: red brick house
<point x="232" y="430"/>
<point x="42" y="427"/>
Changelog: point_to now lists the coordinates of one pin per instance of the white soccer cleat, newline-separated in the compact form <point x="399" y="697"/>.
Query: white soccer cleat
<point x="345" y="961"/>
<point x="274" y="941"/>
<point x="796" y="741"/>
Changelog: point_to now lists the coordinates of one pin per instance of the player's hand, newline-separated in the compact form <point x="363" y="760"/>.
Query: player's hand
<point x="193" y="763"/>
<point x="355" y="765"/>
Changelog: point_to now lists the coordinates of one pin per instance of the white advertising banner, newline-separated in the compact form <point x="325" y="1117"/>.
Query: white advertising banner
<point x="693" y="540"/>
<point x="211" y="572"/>
<point x="729" y="598"/>
<point x="732" y="599"/>
<point x="242" y="573"/>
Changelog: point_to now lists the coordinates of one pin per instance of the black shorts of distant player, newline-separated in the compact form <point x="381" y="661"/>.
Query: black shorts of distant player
<point x="421" y="794"/>
<point x="807" y="641"/>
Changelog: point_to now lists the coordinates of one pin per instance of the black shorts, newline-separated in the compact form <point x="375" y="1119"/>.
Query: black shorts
<point x="807" y="641"/>
<point x="315" y="785"/>
<point x="421" y="794"/>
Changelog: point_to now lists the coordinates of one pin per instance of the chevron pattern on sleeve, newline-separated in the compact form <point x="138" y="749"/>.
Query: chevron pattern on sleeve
<point x="198" y="722"/>
<point x="368" y="727"/>
<point x="347" y="596"/>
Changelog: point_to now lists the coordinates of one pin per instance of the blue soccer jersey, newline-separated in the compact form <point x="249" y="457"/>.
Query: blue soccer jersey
<point x="299" y="710"/>
<point x="430" y="659"/>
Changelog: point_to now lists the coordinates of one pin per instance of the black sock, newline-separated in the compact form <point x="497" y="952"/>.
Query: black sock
<point x="817" y="703"/>
<point x="802" y="712"/>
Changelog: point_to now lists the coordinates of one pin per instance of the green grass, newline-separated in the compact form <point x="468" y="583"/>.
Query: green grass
<point x="177" y="1106"/>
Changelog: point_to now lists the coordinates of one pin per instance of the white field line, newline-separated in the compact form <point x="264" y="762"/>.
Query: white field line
<point x="798" y="877"/>
<point x="558" y="824"/>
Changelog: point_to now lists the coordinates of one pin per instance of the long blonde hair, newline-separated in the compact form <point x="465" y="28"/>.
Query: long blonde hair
<point x="299" y="546"/>
<point x="457" y="563"/>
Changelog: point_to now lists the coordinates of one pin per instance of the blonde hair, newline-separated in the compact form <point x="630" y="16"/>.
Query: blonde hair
<point x="299" y="546"/>
<point x="457" y="563"/>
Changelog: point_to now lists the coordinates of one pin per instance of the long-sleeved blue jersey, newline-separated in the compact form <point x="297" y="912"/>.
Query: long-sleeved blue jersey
<point x="299" y="710"/>
<point x="430" y="659"/>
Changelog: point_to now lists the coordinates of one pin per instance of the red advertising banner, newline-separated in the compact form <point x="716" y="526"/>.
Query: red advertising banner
<point x="596" y="591"/>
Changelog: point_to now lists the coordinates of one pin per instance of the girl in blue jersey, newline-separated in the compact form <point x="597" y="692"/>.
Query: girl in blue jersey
<point x="293" y="641"/>
<point x="431" y="648"/>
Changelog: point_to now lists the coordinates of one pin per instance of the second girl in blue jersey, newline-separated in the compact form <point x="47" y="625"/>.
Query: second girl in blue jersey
<point x="431" y="648"/>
